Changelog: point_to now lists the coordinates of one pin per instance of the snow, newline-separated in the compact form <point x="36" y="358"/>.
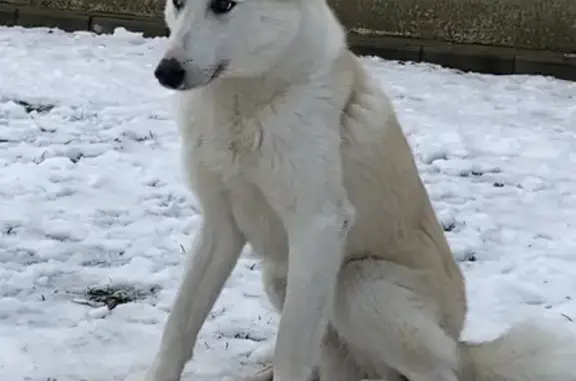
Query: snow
<point x="91" y="200"/>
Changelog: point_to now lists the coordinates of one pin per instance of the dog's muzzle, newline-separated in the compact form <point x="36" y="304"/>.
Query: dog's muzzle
<point x="170" y="73"/>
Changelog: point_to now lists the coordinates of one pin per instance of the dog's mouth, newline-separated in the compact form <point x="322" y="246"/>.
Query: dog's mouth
<point x="216" y="73"/>
<point x="220" y="68"/>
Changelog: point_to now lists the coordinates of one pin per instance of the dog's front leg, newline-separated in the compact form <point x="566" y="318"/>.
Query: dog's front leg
<point x="216" y="251"/>
<point x="316" y="245"/>
<point x="317" y="219"/>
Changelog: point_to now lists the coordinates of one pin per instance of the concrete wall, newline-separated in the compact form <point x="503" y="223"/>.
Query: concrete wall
<point x="498" y="36"/>
<point x="532" y="24"/>
<point x="131" y="7"/>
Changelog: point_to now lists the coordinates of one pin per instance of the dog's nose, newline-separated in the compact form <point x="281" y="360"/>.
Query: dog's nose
<point x="170" y="73"/>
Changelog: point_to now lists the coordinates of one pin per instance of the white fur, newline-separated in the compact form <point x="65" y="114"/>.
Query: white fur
<point x="295" y="150"/>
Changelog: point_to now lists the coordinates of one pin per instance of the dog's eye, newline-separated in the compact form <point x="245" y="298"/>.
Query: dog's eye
<point x="178" y="4"/>
<point x="219" y="7"/>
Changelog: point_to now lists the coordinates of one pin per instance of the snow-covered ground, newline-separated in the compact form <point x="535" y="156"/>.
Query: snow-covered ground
<point x="93" y="209"/>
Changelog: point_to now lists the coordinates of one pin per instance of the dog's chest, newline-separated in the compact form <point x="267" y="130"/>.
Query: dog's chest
<point x="239" y="166"/>
<point x="238" y="150"/>
<point x="258" y="221"/>
<point x="229" y="152"/>
<point x="227" y="143"/>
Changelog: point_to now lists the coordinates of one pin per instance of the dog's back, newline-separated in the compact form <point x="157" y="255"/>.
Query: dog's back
<point x="395" y="219"/>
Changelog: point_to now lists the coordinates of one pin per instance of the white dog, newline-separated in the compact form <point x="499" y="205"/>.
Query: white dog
<point x="291" y="147"/>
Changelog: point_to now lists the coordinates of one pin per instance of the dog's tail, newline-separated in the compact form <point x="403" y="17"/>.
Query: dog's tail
<point x="527" y="352"/>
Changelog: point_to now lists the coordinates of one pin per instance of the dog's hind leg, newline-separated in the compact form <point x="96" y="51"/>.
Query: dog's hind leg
<point x="340" y="362"/>
<point x="379" y="310"/>
<point x="336" y="362"/>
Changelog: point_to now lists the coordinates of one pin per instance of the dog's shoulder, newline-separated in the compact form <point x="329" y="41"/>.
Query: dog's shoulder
<point x="368" y="113"/>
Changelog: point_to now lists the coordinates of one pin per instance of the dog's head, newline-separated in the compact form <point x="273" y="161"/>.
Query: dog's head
<point x="232" y="38"/>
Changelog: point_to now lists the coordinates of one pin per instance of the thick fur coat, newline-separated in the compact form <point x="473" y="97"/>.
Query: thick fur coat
<point x="290" y="146"/>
